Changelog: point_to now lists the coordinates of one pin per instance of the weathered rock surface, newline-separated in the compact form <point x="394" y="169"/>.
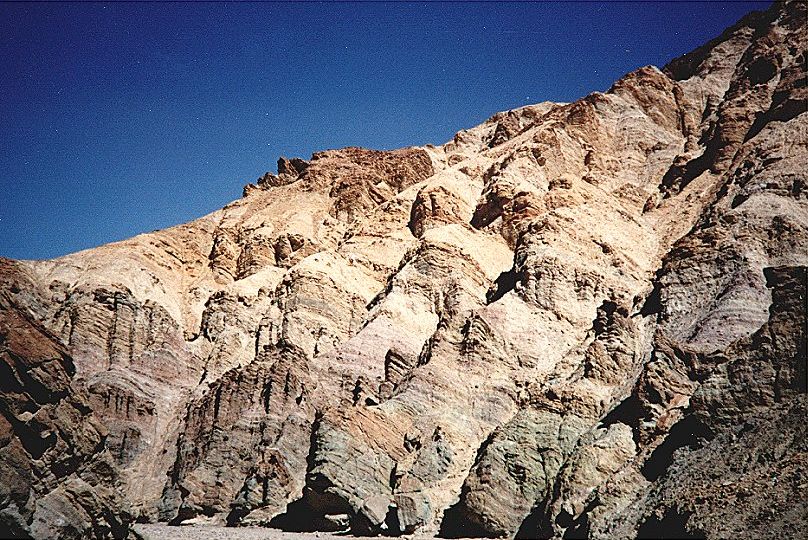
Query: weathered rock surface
<point x="574" y="320"/>
<point x="58" y="477"/>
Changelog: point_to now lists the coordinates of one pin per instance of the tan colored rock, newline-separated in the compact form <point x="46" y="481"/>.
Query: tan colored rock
<point x="544" y="327"/>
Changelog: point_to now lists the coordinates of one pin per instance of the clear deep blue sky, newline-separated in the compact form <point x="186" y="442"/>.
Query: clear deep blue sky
<point x="117" y="119"/>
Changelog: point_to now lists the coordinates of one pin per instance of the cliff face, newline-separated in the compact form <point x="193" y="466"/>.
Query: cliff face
<point x="58" y="479"/>
<point x="583" y="319"/>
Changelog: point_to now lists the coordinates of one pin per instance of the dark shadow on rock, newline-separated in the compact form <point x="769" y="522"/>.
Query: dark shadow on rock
<point x="672" y="525"/>
<point x="503" y="285"/>
<point x="653" y="304"/>
<point x="457" y="524"/>
<point x="688" y="432"/>
<point x="536" y="525"/>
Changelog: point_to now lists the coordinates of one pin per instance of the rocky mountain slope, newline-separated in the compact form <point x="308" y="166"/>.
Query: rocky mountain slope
<point x="577" y="320"/>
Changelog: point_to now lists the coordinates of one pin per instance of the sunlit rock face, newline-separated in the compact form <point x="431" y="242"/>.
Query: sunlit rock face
<point x="579" y="320"/>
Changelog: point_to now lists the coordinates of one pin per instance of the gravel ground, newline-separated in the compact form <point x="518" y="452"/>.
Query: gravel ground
<point x="209" y="532"/>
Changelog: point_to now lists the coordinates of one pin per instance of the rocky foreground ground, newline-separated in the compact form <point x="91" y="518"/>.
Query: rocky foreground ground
<point x="577" y="320"/>
<point x="166" y="532"/>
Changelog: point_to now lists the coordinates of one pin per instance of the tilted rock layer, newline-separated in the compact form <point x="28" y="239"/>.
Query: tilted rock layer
<point x="58" y="478"/>
<point x="578" y="320"/>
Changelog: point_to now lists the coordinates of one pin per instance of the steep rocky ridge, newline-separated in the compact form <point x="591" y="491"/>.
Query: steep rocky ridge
<point x="557" y="324"/>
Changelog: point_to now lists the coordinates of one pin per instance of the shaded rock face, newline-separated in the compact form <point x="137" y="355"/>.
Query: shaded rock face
<point x="58" y="477"/>
<point x="574" y="320"/>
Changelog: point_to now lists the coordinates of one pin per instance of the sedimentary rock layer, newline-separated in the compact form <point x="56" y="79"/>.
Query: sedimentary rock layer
<point x="578" y="320"/>
<point x="58" y="477"/>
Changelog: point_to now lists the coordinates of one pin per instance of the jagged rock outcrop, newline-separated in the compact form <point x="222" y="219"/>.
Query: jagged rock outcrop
<point x="58" y="476"/>
<point x="574" y="320"/>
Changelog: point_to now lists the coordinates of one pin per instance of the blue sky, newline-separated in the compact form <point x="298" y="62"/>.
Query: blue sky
<point x="117" y="119"/>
